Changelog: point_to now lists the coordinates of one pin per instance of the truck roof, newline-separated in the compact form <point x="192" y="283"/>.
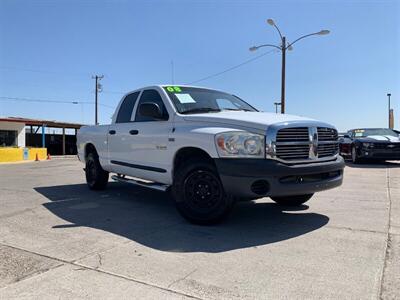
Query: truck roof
<point x="165" y="85"/>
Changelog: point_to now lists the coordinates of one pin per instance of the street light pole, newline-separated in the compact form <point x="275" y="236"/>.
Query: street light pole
<point x="283" y="80"/>
<point x="283" y="47"/>
<point x="389" y="108"/>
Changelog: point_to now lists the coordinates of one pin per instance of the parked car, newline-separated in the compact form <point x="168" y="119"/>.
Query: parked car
<point x="370" y="143"/>
<point x="210" y="149"/>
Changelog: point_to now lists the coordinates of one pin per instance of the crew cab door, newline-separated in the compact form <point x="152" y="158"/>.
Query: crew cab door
<point x="151" y="154"/>
<point x="120" y="137"/>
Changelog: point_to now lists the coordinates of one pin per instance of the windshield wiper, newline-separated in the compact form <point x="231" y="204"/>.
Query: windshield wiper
<point x="200" y="110"/>
<point x="237" y="109"/>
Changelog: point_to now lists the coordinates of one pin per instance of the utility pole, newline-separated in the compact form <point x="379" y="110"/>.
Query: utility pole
<point x="390" y="117"/>
<point x="97" y="89"/>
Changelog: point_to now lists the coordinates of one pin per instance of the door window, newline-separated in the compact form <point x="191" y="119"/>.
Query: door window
<point x="151" y="96"/>
<point x="125" y="111"/>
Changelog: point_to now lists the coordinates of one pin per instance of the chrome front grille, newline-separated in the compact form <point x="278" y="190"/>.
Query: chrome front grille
<point x="296" y="134"/>
<point x="302" y="144"/>
<point x="325" y="150"/>
<point x="328" y="144"/>
<point x="288" y="152"/>
<point x="327" y="134"/>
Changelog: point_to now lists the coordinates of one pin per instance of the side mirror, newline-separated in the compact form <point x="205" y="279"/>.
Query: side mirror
<point x="151" y="110"/>
<point x="346" y="136"/>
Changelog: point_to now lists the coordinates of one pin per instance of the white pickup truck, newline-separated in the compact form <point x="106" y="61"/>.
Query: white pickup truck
<point x="209" y="149"/>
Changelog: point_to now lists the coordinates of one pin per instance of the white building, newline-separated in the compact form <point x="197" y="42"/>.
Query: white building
<point x="12" y="134"/>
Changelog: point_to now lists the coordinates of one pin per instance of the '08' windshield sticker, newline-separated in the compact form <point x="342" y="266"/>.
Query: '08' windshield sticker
<point x="174" y="89"/>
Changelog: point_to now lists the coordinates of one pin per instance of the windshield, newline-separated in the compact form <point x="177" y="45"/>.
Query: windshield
<point x="377" y="131"/>
<point x="189" y="100"/>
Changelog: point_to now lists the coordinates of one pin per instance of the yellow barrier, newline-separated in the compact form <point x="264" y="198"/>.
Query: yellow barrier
<point x="11" y="154"/>
<point x="17" y="154"/>
<point x="41" y="152"/>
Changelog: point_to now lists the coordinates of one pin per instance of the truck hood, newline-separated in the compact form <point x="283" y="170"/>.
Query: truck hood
<point x="259" y="120"/>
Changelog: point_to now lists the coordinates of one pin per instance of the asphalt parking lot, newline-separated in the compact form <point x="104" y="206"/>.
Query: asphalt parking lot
<point x="60" y="240"/>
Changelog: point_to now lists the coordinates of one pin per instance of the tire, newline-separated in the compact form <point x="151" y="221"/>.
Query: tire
<point x="296" y="200"/>
<point x="354" y="155"/>
<point x="198" y="193"/>
<point x="96" y="177"/>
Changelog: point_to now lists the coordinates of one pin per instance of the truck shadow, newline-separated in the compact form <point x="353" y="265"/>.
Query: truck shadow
<point x="149" y="218"/>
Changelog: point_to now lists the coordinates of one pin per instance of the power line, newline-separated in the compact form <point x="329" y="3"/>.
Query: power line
<point x="4" y="98"/>
<point x="117" y="92"/>
<point x="113" y="92"/>
<point x="231" y="68"/>
<point x="215" y="74"/>
<point x="40" y="100"/>
<point x="43" y="71"/>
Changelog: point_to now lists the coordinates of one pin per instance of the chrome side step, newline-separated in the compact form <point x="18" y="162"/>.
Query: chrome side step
<point x="152" y="185"/>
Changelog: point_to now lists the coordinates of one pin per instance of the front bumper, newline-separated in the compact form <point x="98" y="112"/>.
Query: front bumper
<point x="386" y="154"/>
<point x="255" y="178"/>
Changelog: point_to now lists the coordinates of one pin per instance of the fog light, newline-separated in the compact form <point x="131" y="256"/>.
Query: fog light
<point x="260" y="187"/>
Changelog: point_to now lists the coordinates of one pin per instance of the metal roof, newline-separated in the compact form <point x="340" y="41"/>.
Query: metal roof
<point x="36" y="122"/>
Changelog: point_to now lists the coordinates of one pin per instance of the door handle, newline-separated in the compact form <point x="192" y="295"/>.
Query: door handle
<point x="134" y="132"/>
<point x="112" y="132"/>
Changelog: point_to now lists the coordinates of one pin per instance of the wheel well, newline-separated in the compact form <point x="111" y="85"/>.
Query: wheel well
<point x="90" y="148"/>
<point x="184" y="154"/>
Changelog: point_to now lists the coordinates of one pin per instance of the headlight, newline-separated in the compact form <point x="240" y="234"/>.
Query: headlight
<point x="368" y="145"/>
<point x="240" y="144"/>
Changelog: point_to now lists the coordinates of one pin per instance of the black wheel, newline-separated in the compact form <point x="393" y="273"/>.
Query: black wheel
<point x="354" y="155"/>
<point x="96" y="177"/>
<point x="296" y="200"/>
<point x="199" y="194"/>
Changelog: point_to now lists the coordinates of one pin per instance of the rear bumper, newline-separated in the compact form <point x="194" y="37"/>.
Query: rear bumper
<point x="252" y="178"/>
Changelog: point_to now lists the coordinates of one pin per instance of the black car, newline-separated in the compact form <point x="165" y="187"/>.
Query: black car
<point x="370" y="143"/>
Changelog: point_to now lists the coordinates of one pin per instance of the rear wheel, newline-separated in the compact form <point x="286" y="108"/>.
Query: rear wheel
<point x="296" y="200"/>
<point x="96" y="177"/>
<point x="199" y="194"/>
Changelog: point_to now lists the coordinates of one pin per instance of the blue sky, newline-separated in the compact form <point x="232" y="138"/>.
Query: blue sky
<point x="50" y="49"/>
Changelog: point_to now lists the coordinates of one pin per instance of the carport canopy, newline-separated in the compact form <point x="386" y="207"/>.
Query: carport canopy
<point x="44" y="124"/>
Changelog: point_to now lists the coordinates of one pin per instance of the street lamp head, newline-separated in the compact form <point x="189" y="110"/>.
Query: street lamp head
<point x="324" y="32"/>
<point x="271" y="22"/>
<point x="389" y="94"/>
<point x="254" y="48"/>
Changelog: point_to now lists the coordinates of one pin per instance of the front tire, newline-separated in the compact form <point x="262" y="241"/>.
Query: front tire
<point x="199" y="195"/>
<point x="96" y="177"/>
<point x="354" y="155"/>
<point x="296" y="200"/>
